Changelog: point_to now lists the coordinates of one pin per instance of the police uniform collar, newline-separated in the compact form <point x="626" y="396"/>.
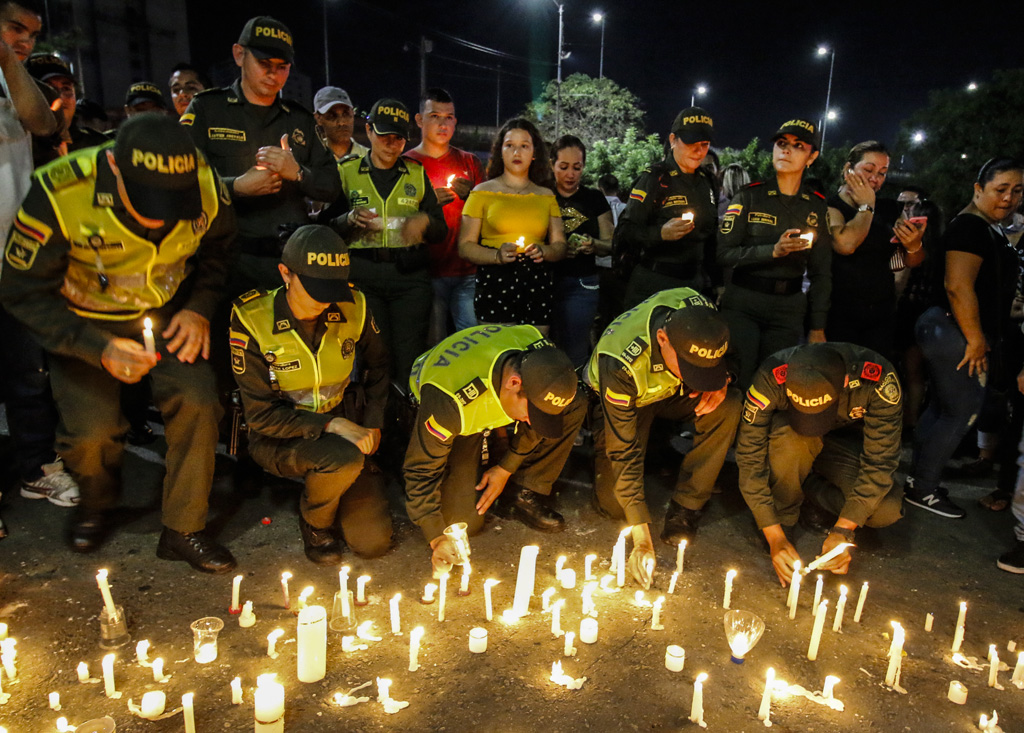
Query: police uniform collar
<point x="237" y="96"/>
<point x="283" y="316"/>
<point x="365" y="166"/>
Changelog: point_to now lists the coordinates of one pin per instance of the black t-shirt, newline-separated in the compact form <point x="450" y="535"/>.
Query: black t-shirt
<point x="865" y="277"/>
<point x="579" y="216"/>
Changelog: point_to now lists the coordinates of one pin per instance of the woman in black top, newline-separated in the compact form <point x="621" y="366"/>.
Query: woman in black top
<point x="863" y="229"/>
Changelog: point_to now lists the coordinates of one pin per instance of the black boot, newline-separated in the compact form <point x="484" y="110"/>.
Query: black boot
<point x="198" y="550"/>
<point x="89" y="530"/>
<point x="529" y="508"/>
<point x="680" y="524"/>
<point x="321" y="545"/>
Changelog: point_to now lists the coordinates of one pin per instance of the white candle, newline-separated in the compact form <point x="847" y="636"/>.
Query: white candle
<point x="343" y="588"/>
<point x="818" y="587"/>
<point x="236" y="691"/>
<point x="525" y="580"/>
<point x="83" y="672"/>
<point x="697" y="706"/>
<point x="311" y="644"/>
<point x="619" y="557"/>
<point x="957" y="693"/>
<point x="672" y="583"/>
<point x="521" y="244"/>
<point x="54" y="700"/>
<point x="206" y="653"/>
<point x="860" y="603"/>
<point x="556" y="617"/>
<point x="588" y="630"/>
<point x="830" y="685"/>
<point x="680" y="556"/>
<point x="269" y="704"/>
<point x="3" y="631"/>
<point x="7" y="656"/>
<point x="396" y="620"/>
<point x="656" y="624"/>
<point x="142" y="652"/>
<point x="808" y="237"/>
<point x="895" y="655"/>
<point x="675" y="658"/>
<point x="765" y="711"/>
<point x="958" y="635"/>
<point x="728" y="588"/>
<point x="158" y="669"/>
<point x="545" y="599"/>
<point x="686" y="216"/>
<point x="451" y="178"/>
<point x="236" y="587"/>
<point x="272" y="638"/>
<point x="147" y="336"/>
<point x="284" y="588"/>
<point x="993" y="667"/>
<point x="464" y="585"/>
<point x="62" y="726"/>
<point x="153" y="704"/>
<point x="361" y="582"/>
<point x="929" y="620"/>
<point x="108" y="600"/>
<point x="442" y="596"/>
<point x="108" y="676"/>
<point x="559" y="564"/>
<point x="1018" y="671"/>
<point x="478" y="640"/>
<point x="837" y="625"/>
<point x="188" y="711"/>
<point x="819" y="624"/>
<point x="247" y="619"/>
<point x="307" y="592"/>
<point x="428" y="593"/>
<point x="568" y="578"/>
<point x="414" y="648"/>
<point x="488" y="605"/>
<point x="589" y="609"/>
<point x="794" y="590"/>
<point x="834" y="552"/>
<point x="588" y="567"/>
<point x="383" y="689"/>
<point x="569" y="649"/>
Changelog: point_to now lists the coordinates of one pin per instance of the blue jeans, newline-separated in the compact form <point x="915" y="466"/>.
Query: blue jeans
<point x="956" y="398"/>
<point x="576" y="300"/>
<point x="452" y="295"/>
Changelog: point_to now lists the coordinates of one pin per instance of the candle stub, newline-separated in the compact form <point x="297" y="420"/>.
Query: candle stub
<point x="957" y="693"/>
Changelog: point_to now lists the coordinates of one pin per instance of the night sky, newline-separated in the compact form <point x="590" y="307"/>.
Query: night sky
<point x="759" y="62"/>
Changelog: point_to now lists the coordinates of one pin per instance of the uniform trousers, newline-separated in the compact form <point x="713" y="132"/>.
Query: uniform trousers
<point x="759" y="325"/>
<point x="715" y="433"/>
<point x="643" y="283"/>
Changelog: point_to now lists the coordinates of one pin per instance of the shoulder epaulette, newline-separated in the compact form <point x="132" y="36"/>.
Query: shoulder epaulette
<point x="249" y="296"/>
<point x="61" y="173"/>
<point x="212" y="90"/>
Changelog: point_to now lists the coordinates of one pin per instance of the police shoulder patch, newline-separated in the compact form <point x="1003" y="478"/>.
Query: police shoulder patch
<point x="237" y="360"/>
<point x="187" y="119"/>
<point x="889" y="390"/>
<point x="632" y="352"/>
<point x="871" y="371"/>
<point x="246" y="297"/>
<point x="756" y="399"/>
<point x="637" y="195"/>
<point x="21" y="251"/>
<point x="437" y="429"/>
<point x="471" y="391"/>
<point x="615" y="398"/>
<point x="32" y="227"/>
<point x="779" y="373"/>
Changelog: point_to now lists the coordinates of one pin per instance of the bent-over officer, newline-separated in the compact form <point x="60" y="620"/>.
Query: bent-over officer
<point x="313" y="374"/>
<point x="139" y="228"/>
<point x="821" y="421"/>
<point x="476" y="380"/>
<point x="662" y="359"/>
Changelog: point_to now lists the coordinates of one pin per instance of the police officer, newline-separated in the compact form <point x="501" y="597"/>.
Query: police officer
<point x="54" y="71"/>
<point x="670" y="220"/>
<point x="138" y="228"/>
<point x="773" y="233"/>
<point x="821" y="421"/>
<point x="476" y="380"/>
<point x="664" y="358"/>
<point x="388" y="212"/>
<point x="144" y="96"/>
<point x="265" y="148"/>
<point x="312" y="370"/>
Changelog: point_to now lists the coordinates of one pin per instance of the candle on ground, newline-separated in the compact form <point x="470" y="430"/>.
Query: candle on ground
<point x="680" y="556"/>
<point x="819" y="585"/>
<point x="957" y="693"/>
<point x="478" y="640"/>
<point x="109" y="688"/>
<point x="656" y="624"/>
<point x="464" y="585"/>
<point x="589" y="608"/>
<point x="556" y="617"/>
<point x="269" y="704"/>
<point x="895" y="655"/>
<point x="396" y="620"/>
<point x="929" y="620"/>
<point x="428" y="593"/>
<point x="147" y="336"/>
<point x="569" y="650"/>
<point x="794" y="590"/>
<point x="272" y="638"/>
<point x="247" y="619"/>
<point x="361" y="582"/>
<point x="3" y="631"/>
<point x="7" y="656"/>
<point x="728" y="588"/>
<point x="108" y="600"/>
<point x="837" y="625"/>
<point x="188" y="711"/>
<point x="236" y="588"/>
<point x="568" y="578"/>
<point x="588" y="630"/>
<point x="307" y="592"/>
<point x="488" y="605"/>
<point x="1018" y="671"/>
<point x="525" y="580"/>
<point x="142" y="652"/>
<point x="830" y="685"/>
<point x="442" y="596"/>
<point x="672" y="583"/>
<point x="414" y="648"/>
<point x="54" y="699"/>
<point x="236" y="691"/>
<point x="158" y="670"/>
<point x="311" y="644"/>
<point x="619" y="557"/>
<point x="675" y="658"/>
<point x="993" y="667"/>
<point x="697" y="706"/>
<point x="545" y="599"/>
<point x="765" y="711"/>
<point x="588" y="567"/>
<point x="284" y="588"/>
<point x="860" y="603"/>
<point x="83" y="672"/>
<point x="559" y="565"/>
<point x="819" y="624"/>
<point x="958" y="635"/>
<point x="152" y="705"/>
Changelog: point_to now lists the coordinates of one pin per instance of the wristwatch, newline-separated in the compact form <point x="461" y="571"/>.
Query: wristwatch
<point x="866" y="207"/>
<point x="846" y="534"/>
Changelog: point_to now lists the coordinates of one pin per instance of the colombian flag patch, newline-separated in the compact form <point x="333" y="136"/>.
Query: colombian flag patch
<point x="637" y="195"/>
<point x="734" y="209"/>
<point x="32" y="227"/>
<point x="622" y="400"/>
<point x="757" y="399"/>
<point x="435" y="429"/>
<point x="239" y="340"/>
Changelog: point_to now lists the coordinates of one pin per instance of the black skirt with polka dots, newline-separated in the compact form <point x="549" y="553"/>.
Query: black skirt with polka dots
<point x="519" y="293"/>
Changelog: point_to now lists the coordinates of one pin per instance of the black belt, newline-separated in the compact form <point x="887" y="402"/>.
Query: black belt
<point x="681" y="270"/>
<point x="770" y="285"/>
<point x="384" y="254"/>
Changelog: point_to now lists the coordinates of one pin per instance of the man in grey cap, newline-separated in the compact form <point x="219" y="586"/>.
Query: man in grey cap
<point x="313" y="374"/>
<point x="335" y="119"/>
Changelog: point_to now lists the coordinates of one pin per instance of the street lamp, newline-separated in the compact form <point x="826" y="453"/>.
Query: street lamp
<point x="972" y="87"/>
<point x="561" y="56"/>
<point x="599" y="18"/>
<point x="823" y="51"/>
<point x="700" y="91"/>
<point x="918" y="137"/>
<point x="832" y="115"/>
<point x="327" y="65"/>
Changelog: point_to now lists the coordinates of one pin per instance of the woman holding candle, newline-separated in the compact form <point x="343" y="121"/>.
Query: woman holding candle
<point x="587" y="219"/>
<point x="514" y="285"/>
<point x="773" y="234"/>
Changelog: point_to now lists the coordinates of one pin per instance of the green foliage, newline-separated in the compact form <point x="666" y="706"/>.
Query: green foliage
<point x="624" y="157"/>
<point x="757" y="162"/>
<point x="962" y="129"/>
<point x="592" y="109"/>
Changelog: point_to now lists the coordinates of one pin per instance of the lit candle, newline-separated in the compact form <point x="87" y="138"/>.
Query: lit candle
<point x="488" y="605"/>
<point x="147" y="336"/>
<point x="569" y="649"/>
<point x="442" y="596"/>
<point x="525" y="580"/>
<point x="108" y="676"/>
<point x="1018" y="671"/>
<point x="680" y="555"/>
<point x="619" y="557"/>
<point x="520" y="244"/>
<point x="568" y="578"/>
<point x="728" y="588"/>
<point x="860" y="603"/>
<point x="588" y="567"/>
<point x="236" y="587"/>
<point x="54" y="700"/>
<point x="929" y="621"/>
<point x="311" y="644"/>
<point x="284" y="588"/>
<point x="428" y="593"/>
<point x="236" y="691"/>
<point x="83" y="672"/>
<point x="794" y="590"/>
<point x="656" y="617"/>
<point x="478" y="640"/>
<point x="545" y="599"/>
<point x="640" y="600"/>
<point x="7" y="656"/>
<point x="957" y="693"/>
<point x="3" y="631"/>
<point x="675" y="658"/>
<point x="414" y="648"/>
<point x="837" y="625"/>
<point x="383" y="690"/>
<point x="464" y="585"/>
<point x="153" y="704"/>
<point x="697" y="706"/>
<point x="62" y="726"/>
<point x="559" y="564"/>
<point x="606" y="584"/>
<point x="188" y="711"/>
<point x="142" y="652"/>
<point x="765" y="711"/>
<point x="830" y="685"/>
<point x="589" y="609"/>
<point x="556" y="617"/>
<point x="819" y="624"/>
<point x="272" y="638"/>
<point x="818" y="587"/>
<point x="958" y="635"/>
<point x="834" y="552"/>
<point x="451" y="178"/>
<point x="672" y="583"/>
<point x="993" y="667"/>
<point x="588" y="630"/>
<point x="361" y="582"/>
<point x="895" y="655"/>
<point x="687" y="216"/>
<point x="269" y="704"/>
<point x="247" y="619"/>
<point x="158" y="670"/>
<point x="343" y="582"/>
<point x="396" y="619"/>
<point x="108" y="600"/>
<point x="808" y="237"/>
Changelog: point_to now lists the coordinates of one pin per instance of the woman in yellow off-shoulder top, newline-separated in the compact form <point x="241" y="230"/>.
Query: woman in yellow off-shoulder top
<point x="512" y="229"/>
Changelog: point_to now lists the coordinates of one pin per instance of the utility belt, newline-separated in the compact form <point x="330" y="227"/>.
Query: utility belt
<point x="406" y="259"/>
<point x="769" y="285"/>
<point x="680" y="270"/>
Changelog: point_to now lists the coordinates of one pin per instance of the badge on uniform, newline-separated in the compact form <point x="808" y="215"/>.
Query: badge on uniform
<point x="21" y="251"/>
<point x="470" y="392"/>
<point x="334" y="317"/>
<point x="270" y="357"/>
<point x="871" y="371"/>
<point x="812" y="219"/>
<point x="200" y="225"/>
<point x="857" y="413"/>
<point x="410" y="190"/>
<point x="348" y="348"/>
<point x="104" y="198"/>
<point x="298" y="137"/>
<point x="889" y="389"/>
<point x="436" y="429"/>
<point x="237" y="361"/>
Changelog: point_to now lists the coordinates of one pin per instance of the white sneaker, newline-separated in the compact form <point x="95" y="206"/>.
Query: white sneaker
<point x="55" y="485"/>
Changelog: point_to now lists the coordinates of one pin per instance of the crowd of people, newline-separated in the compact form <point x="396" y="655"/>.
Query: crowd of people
<point x="475" y="321"/>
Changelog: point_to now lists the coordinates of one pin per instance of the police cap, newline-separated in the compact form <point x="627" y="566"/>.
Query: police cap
<point x="700" y="337"/>
<point x="814" y="379"/>
<point x="693" y="125"/>
<point x="45" y="66"/>
<point x="267" y="38"/>
<point x="144" y="91"/>
<point x="390" y="117"/>
<point x="801" y="129"/>
<point x="320" y="258"/>
<point x="549" y="384"/>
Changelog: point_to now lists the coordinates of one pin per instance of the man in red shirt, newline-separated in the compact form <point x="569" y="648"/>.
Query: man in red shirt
<point x="453" y="173"/>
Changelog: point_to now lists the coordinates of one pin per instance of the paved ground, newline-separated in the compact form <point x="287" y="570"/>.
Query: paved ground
<point x="925" y="564"/>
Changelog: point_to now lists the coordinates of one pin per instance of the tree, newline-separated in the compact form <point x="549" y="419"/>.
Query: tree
<point x="757" y="162"/>
<point x="961" y="129"/>
<point x="592" y="109"/>
<point x="624" y="157"/>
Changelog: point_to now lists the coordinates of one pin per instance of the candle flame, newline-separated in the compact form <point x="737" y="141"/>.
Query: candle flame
<point x="731" y="574"/>
<point x="701" y="677"/>
<point x="450" y="179"/>
<point x="286" y="575"/>
<point x="148" y="325"/>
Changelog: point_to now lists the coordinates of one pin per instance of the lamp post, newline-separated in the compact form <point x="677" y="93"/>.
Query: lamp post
<point x="561" y="55"/>
<point x="822" y="51"/>
<point x="600" y="18"/>
<point x="699" y="91"/>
